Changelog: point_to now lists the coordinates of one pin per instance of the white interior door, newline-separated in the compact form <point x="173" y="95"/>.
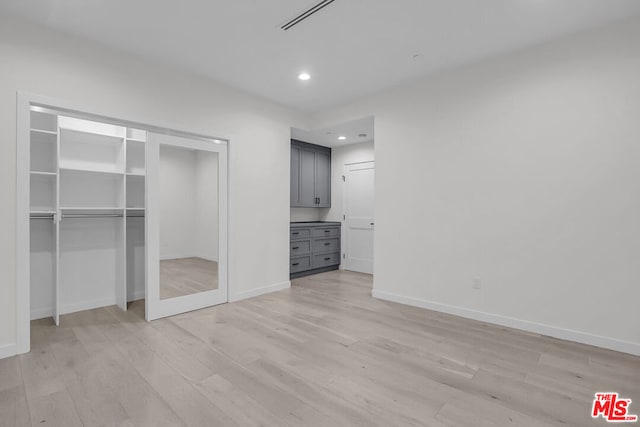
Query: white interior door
<point x="359" y="216"/>
<point x="186" y="213"/>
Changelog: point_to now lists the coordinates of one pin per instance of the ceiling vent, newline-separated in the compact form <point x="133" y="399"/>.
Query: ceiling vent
<point x="307" y="13"/>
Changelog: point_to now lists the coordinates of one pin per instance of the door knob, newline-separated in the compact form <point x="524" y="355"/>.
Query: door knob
<point x="370" y="223"/>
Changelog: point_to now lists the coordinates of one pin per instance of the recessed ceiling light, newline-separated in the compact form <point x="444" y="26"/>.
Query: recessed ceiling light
<point x="342" y="137"/>
<point x="304" y="76"/>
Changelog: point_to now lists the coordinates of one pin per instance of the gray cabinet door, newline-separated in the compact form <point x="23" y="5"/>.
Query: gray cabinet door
<point x="295" y="176"/>
<point x="307" y="178"/>
<point x="323" y="179"/>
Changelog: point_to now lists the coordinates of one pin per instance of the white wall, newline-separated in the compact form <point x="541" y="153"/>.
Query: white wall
<point x="108" y="82"/>
<point x="308" y="214"/>
<point x="177" y="183"/>
<point x="188" y="182"/>
<point x="207" y="205"/>
<point x="523" y="172"/>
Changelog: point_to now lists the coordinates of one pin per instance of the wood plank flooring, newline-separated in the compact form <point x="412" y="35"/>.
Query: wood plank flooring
<point x="323" y="353"/>
<point x="186" y="276"/>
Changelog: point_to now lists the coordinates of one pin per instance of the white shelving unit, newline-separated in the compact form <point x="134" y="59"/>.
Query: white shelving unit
<point x="43" y="176"/>
<point x="135" y="204"/>
<point x="87" y="196"/>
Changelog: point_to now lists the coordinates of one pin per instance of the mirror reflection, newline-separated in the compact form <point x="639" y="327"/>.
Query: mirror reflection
<point x="188" y="182"/>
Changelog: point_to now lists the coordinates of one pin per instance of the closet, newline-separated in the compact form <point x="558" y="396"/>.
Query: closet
<point x="87" y="214"/>
<point x="112" y="211"/>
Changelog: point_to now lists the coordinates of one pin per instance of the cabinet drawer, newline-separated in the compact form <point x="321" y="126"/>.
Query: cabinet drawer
<point x="326" y="245"/>
<point x="299" y="233"/>
<point x="326" y="232"/>
<point x="301" y="247"/>
<point x="300" y="264"/>
<point x="326" y="260"/>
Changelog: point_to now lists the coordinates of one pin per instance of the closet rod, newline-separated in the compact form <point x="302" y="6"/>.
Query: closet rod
<point x="92" y="216"/>
<point x="49" y="217"/>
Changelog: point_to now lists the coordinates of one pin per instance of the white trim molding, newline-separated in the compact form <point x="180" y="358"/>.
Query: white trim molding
<point x="259" y="291"/>
<point x="7" y="350"/>
<point x="510" y="322"/>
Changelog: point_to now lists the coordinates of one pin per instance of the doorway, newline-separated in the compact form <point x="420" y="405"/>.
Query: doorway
<point x="359" y="217"/>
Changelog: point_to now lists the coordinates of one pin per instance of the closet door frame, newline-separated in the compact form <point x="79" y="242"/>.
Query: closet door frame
<point x="24" y="102"/>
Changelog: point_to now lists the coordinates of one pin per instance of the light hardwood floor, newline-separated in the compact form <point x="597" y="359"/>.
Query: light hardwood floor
<point x="186" y="276"/>
<point x="321" y="354"/>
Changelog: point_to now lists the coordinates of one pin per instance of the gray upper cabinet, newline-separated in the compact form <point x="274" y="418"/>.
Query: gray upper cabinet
<point x="295" y="170"/>
<point x="323" y="179"/>
<point x="307" y="176"/>
<point x="310" y="175"/>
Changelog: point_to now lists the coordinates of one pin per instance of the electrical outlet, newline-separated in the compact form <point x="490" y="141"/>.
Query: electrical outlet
<point x="477" y="284"/>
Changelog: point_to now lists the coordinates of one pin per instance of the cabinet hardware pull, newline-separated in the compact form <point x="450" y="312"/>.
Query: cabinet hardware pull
<point x="295" y="247"/>
<point x="327" y="258"/>
<point x="327" y="231"/>
<point x="295" y="263"/>
<point x="327" y="244"/>
<point x="295" y="234"/>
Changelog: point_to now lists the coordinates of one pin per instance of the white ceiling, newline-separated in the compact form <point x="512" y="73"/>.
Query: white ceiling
<point x="329" y="136"/>
<point x="351" y="48"/>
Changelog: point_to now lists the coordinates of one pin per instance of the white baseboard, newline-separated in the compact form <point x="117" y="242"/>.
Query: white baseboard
<point x="207" y="257"/>
<point x="41" y="313"/>
<point x="166" y="257"/>
<point x="538" y="328"/>
<point x="260" y="291"/>
<point x="86" y="305"/>
<point x="135" y="296"/>
<point x="7" y="350"/>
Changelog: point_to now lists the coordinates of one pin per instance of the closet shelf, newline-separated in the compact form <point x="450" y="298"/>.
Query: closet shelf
<point x="89" y="169"/>
<point x="92" y="211"/>
<point x="89" y="208"/>
<point x="141" y="174"/>
<point x="47" y="132"/>
<point x="42" y="173"/>
<point x="108" y="131"/>
<point x="135" y="212"/>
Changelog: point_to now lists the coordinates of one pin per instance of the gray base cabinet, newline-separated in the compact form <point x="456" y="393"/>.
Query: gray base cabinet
<point x="314" y="248"/>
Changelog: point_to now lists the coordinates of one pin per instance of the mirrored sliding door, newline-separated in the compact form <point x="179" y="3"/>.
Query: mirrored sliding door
<point x="186" y="225"/>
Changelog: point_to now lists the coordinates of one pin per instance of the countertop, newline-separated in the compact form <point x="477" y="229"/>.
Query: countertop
<point x="313" y="223"/>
